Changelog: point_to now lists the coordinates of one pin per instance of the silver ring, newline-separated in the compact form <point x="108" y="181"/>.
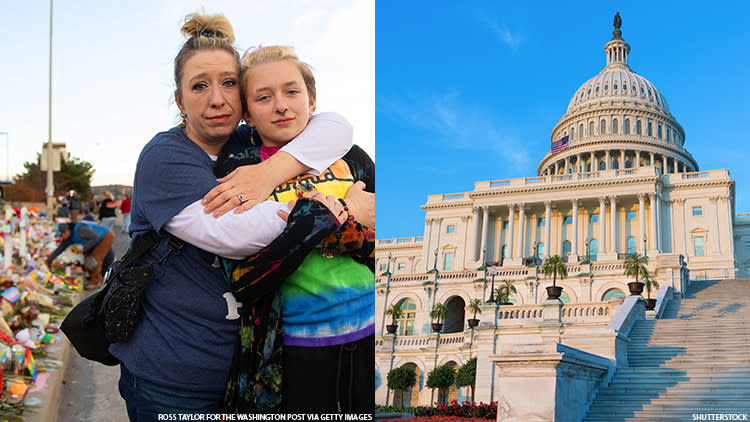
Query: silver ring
<point x="241" y="198"/>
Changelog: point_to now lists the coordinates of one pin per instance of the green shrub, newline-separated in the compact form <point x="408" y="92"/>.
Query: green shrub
<point x="401" y="378"/>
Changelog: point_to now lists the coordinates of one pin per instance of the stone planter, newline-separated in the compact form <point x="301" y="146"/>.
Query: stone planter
<point x="650" y="304"/>
<point x="391" y="328"/>
<point x="636" y="288"/>
<point x="437" y="326"/>
<point x="473" y="322"/>
<point x="554" y="292"/>
<point x="511" y="303"/>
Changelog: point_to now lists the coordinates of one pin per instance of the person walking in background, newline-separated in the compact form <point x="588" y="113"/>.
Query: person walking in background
<point x="108" y="210"/>
<point x="97" y="248"/>
<point x="125" y="211"/>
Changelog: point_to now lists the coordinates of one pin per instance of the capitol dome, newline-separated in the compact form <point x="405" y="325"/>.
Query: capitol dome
<point x="617" y="120"/>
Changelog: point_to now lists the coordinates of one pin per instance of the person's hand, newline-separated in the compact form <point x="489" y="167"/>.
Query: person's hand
<point x="361" y="204"/>
<point x="334" y="206"/>
<point x="243" y="188"/>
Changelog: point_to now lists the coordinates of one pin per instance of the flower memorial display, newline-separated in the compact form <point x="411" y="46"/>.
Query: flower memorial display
<point x="33" y="301"/>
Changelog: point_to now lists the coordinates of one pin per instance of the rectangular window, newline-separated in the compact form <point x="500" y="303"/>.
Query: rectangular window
<point x="505" y="225"/>
<point x="594" y="218"/>
<point x="698" y="245"/>
<point x="658" y="130"/>
<point x="648" y="129"/>
<point x="401" y="266"/>
<point x="747" y="244"/>
<point x="448" y="261"/>
<point x="541" y="222"/>
<point x="567" y="220"/>
<point x="630" y="216"/>
<point x="451" y="228"/>
<point x="697" y="211"/>
<point x="383" y="267"/>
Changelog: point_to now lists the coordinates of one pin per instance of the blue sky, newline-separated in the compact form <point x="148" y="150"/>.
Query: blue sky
<point x="470" y="91"/>
<point x="112" y="70"/>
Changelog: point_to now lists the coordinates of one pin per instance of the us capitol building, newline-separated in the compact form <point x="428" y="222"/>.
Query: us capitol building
<point x="618" y="180"/>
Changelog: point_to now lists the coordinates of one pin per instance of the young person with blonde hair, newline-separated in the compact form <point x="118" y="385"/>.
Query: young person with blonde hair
<point x="321" y="324"/>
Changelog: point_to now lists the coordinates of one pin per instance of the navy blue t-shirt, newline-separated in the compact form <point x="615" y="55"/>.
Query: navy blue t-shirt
<point x="188" y="327"/>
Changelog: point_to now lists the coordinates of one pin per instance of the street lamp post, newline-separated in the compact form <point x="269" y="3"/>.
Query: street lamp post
<point x="644" y="246"/>
<point x="493" y="273"/>
<point x="588" y="241"/>
<point x="50" y="180"/>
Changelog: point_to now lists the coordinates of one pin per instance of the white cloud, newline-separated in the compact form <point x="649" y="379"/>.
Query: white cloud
<point x="500" y="30"/>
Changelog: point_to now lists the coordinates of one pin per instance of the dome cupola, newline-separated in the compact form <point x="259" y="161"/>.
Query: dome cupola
<point x="617" y="119"/>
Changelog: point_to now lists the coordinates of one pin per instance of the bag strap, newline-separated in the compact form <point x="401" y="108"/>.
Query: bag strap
<point x="142" y="244"/>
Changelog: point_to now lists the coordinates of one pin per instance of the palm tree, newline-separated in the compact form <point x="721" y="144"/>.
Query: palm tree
<point x="395" y="312"/>
<point x="634" y="266"/>
<point x="503" y="292"/>
<point x="649" y="281"/>
<point x="439" y="312"/>
<point x="554" y="266"/>
<point x="475" y="306"/>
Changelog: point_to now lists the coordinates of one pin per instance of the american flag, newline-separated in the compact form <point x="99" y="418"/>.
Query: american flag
<point x="560" y="145"/>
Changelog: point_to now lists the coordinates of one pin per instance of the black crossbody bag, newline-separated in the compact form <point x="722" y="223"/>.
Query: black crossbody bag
<point x="110" y="315"/>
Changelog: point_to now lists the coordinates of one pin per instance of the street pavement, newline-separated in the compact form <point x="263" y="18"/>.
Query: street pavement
<point x="89" y="392"/>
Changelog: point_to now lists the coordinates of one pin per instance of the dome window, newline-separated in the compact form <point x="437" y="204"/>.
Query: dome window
<point x="606" y="87"/>
<point x="589" y="93"/>
<point x="626" y="127"/>
<point x="597" y="89"/>
<point x="614" y="126"/>
<point x="615" y="87"/>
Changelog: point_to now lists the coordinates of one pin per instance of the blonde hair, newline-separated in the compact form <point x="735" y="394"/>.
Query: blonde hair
<point x="108" y="195"/>
<point x="272" y="54"/>
<point x="204" y="32"/>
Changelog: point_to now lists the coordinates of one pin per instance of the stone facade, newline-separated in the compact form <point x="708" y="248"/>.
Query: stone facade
<point x="624" y="183"/>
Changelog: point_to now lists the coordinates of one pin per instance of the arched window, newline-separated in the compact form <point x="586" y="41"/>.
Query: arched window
<point x="580" y="130"/>
<point x="626" y="127"/>
<point x="406" y="322"/>
<point x="611" y="294"/>
<point x="638" y="126"/>
<point x="566" y="248"/>
<point x="602" y="126"/>
<point x="572" y="132"/>
<point x="602" y="165"/>
<point x="614" y="126"/>
<point x="591" y="128"/>
<point x="628" y="164"/>
<point x="649" y="131"/>
<point x="615" y="164"/>
<point x="658" y="130"/>
<point x="593" y="249"/>
<point x="632" y="245"/>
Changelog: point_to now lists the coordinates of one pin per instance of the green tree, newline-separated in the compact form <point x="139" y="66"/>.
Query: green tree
<point x="401" y="380"/>
<point x="555" y="267"/>
<point x="439" y="312"/>
<point x="634" y="265"/>
<point x="74" y="173"/>
<point x="475" y="306"/>
<point x="502" y="293"/>
<point x="649" y="281"/>
<point x="467" y="375"/>
<point x="395" y="312"/>
<point x="441" y="378"/>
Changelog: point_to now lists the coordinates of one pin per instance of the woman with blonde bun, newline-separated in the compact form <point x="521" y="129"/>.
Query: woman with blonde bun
<point x="177" y="359"/>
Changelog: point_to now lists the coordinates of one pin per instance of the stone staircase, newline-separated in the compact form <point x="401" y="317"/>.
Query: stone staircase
<point x="696" y="360"/>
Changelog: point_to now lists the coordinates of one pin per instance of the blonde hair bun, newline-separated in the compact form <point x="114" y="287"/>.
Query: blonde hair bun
<point x="201" y="25"/>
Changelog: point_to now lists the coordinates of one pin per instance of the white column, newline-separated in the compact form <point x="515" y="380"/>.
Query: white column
<point x="511" y="223"/>
<point x="556" y="168"/>
<point x="651" y="162"/>
<point x="613" y="223"/>
<point x="637" y="163"/>
<point x="579" y="164"/>
<point x="641" y="223"/>
<point x="652" y="240"/>
<point x="574" y="248"/>
<point x="716" y="238"/>
<point x="475" y="236"/>
<point x="602" y="226"/>
<point x="592" y="164"/>
<point x="675" y="163"/>
<point x="428" y="237"/>
<point x="664" y="163"/>
<point x="567" y="164"/>
<point x="607" y="165"/>
<point x="485" y="226"/>
<point x="621" y="159"/>
<point x="659" y="223"/>
<point x="547" y="227"/>
<point x="521" y="222"/>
